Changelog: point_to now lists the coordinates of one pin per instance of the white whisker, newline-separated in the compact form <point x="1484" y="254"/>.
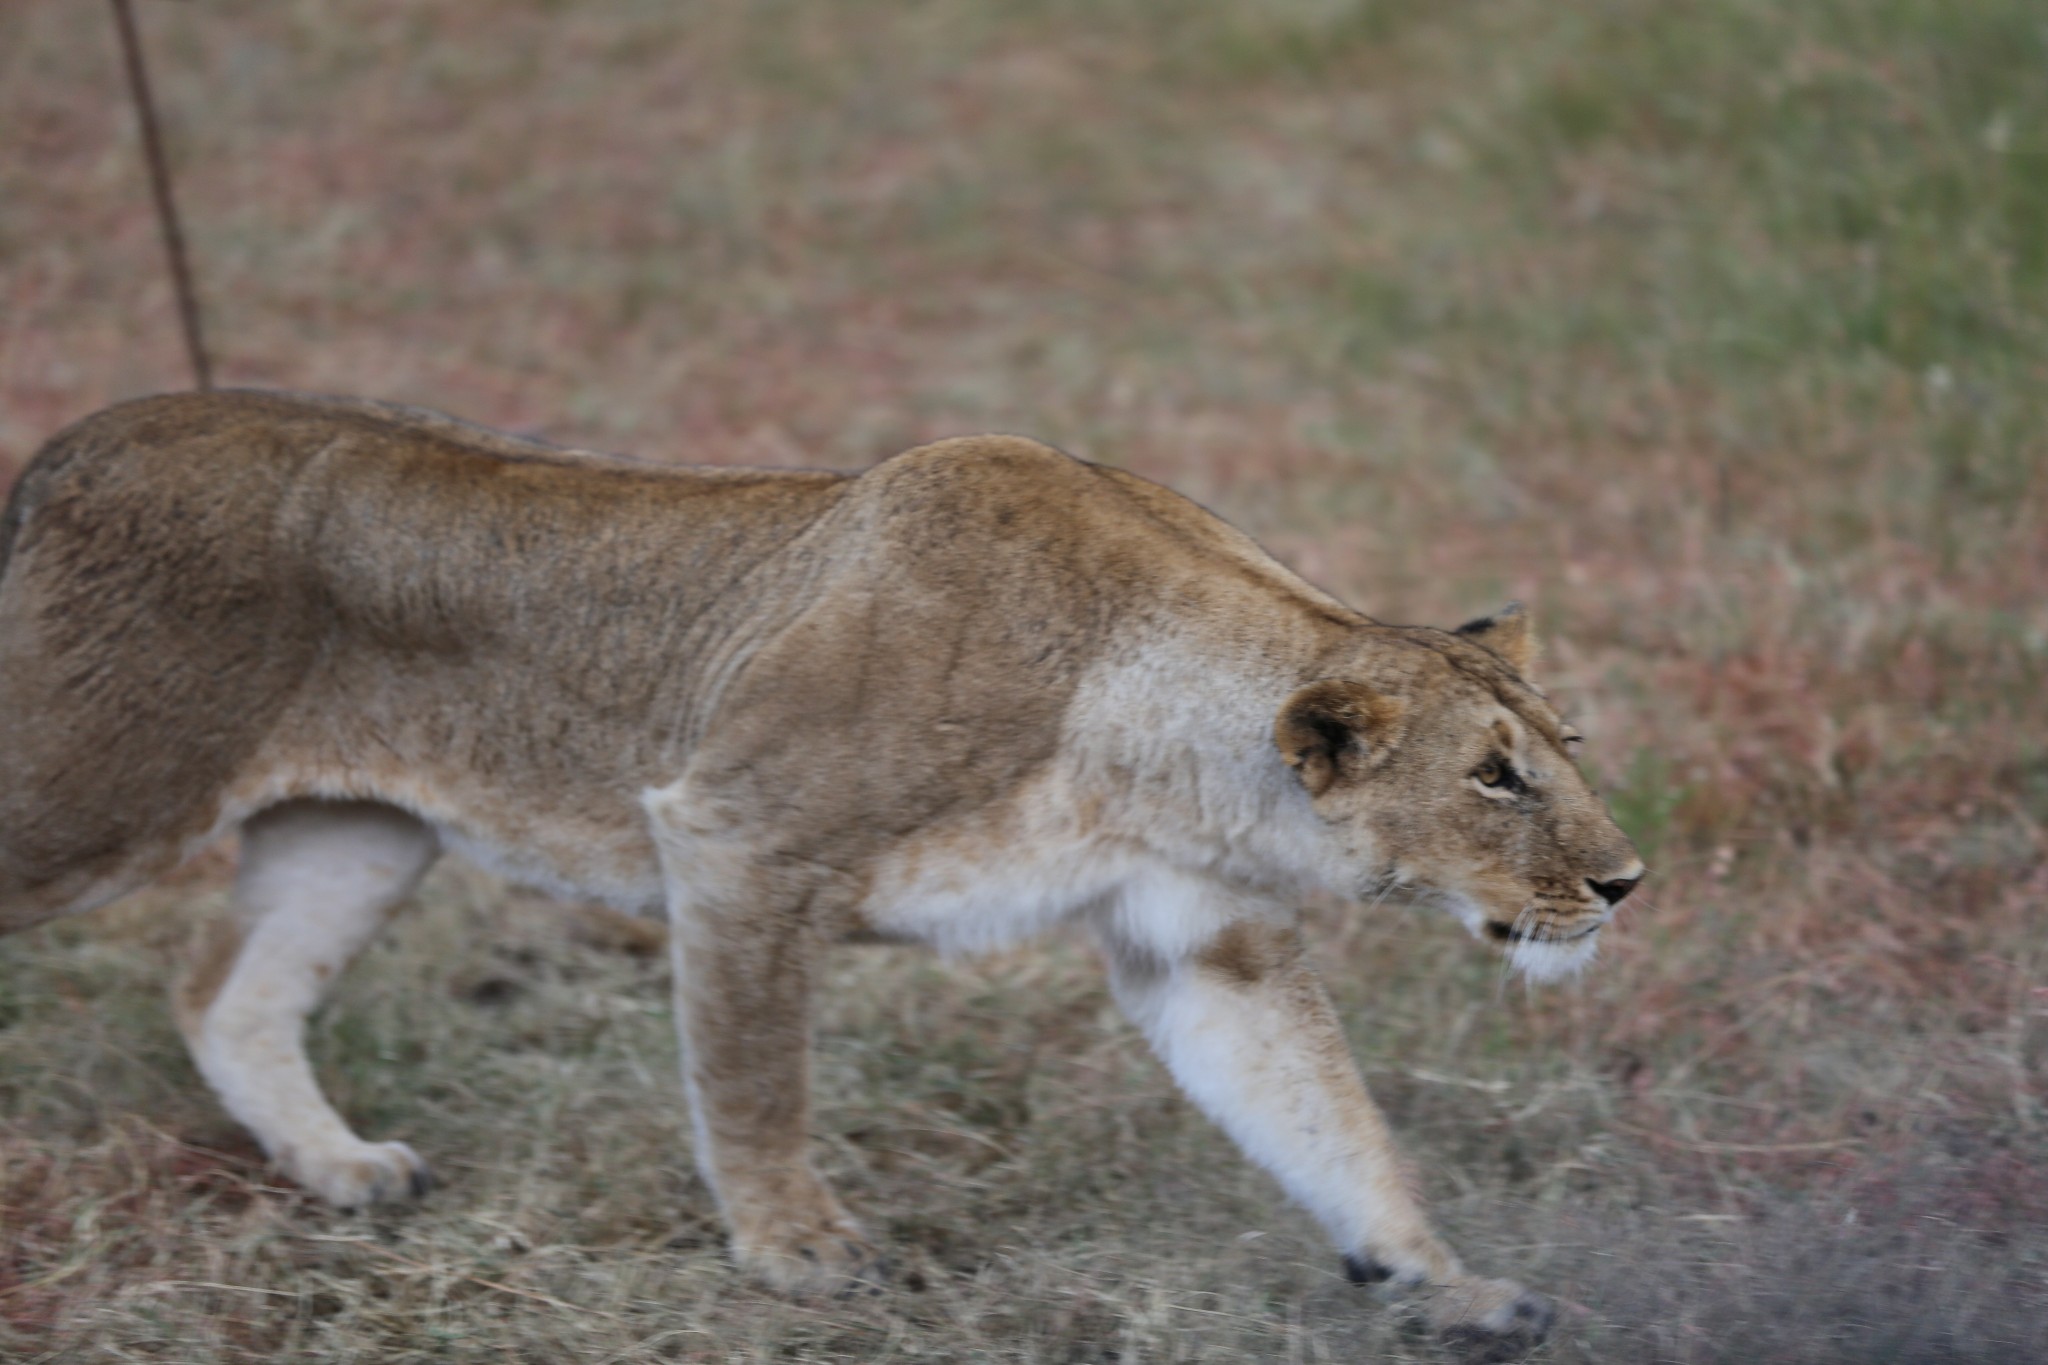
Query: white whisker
<point x="1522" y="921"/>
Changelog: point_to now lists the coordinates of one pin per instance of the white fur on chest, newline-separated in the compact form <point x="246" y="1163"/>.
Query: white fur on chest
<point x="1168" y="815"/>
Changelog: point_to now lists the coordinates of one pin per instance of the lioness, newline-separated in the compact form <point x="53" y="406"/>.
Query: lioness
<point x="979" y="690"/>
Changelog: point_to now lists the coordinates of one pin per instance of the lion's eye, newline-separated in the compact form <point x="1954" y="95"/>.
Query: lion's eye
<point x="1494" y="773"/>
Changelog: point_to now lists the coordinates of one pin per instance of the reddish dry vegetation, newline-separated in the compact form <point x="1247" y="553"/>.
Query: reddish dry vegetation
<point x="1714" y="332"/>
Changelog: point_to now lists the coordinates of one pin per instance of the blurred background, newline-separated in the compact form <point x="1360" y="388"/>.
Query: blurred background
<point x="1714" y="330"/>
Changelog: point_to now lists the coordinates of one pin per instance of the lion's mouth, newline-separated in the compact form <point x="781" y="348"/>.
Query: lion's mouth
<point x="1509" y="933"/>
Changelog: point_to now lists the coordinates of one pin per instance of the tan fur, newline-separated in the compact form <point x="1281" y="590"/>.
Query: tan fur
<point x="975" y="691"/>
<point x="215" y="947"/>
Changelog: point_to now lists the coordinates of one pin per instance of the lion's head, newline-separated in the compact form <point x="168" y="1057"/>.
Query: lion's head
<point x="1436" y="767"/>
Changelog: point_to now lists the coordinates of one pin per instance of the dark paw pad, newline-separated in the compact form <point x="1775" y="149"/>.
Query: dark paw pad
<point x="1365" y="1270"/>
<point x="1534" y="1316"/>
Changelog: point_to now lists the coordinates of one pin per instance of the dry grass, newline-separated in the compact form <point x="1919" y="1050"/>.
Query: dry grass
<point x="1717" y="331"/>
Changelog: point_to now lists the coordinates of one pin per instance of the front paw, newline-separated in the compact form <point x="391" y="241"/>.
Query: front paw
<point x="359" y="1174"/>
<point x="1498" y="1316"/>
<point x="812" y="1258"/>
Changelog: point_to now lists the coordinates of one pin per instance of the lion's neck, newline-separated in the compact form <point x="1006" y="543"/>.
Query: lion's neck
<point x="1177" y="753"/>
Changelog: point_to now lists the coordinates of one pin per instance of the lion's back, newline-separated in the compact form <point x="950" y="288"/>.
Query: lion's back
<point x="1010" y="516"/>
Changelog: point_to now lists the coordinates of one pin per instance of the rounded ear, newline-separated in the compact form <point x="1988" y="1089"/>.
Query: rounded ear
<point x="1325" y="720"/>
<point x="1506" y="633"/>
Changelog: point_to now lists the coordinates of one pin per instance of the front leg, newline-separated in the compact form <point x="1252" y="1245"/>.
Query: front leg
<point x="742" y="945"/>
<point x="1244" y="1025"/>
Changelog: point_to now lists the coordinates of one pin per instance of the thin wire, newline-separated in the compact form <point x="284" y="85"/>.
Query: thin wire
<point x="166" y="206"/>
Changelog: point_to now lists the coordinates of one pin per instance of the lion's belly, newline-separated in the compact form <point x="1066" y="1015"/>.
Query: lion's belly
<point x="613" y="863"/>
<point x="577" y="844"/>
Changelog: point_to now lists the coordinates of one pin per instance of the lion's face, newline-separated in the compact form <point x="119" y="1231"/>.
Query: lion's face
<point x="1435" y="767"/>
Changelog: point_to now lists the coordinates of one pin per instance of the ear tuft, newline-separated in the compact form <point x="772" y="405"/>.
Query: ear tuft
<point x="1506" y="633"/>
<point x="1325" y="720"/>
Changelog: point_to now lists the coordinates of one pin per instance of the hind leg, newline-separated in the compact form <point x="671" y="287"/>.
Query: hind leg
<point x="317" y="881"/>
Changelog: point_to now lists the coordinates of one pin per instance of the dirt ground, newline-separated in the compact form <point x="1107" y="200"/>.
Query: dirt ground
<point x="1715" y="331"/>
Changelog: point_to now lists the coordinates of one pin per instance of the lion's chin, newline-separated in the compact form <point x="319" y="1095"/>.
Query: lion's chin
<point x="1549" y="960"/>
<point x="1537" y="959"/>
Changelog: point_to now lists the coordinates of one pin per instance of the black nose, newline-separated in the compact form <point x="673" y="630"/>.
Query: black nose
<point x="1613" y="892"/>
